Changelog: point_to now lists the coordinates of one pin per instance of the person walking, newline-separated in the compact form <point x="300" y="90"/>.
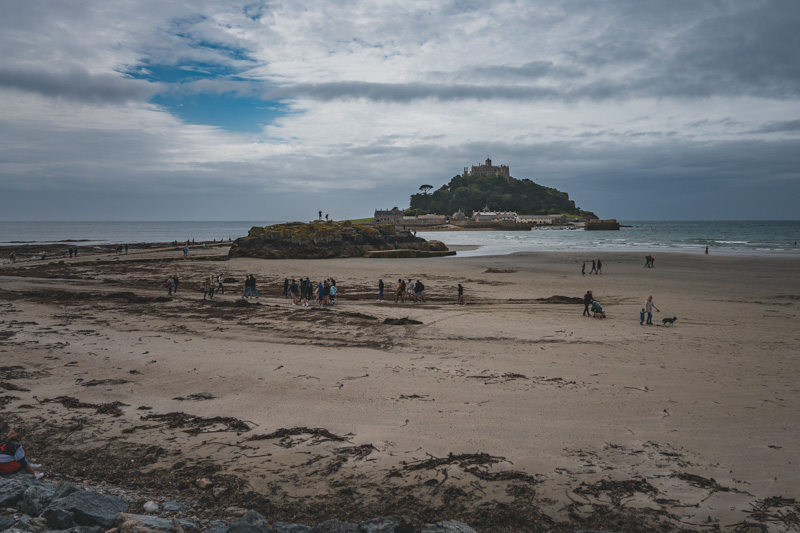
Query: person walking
<point x="253" y="285"/>
<point x="587" y="301"/>
<point x="380" y="290"/>
<point x="208" y="288"/>
<point x="594" y="268"/>
<point x="460" y="300"/>
<point x="599" y="267"/>
<point x="649" y="306"/>
<point x="285" y="287"/>
<point x="220" y="287"/>
<point x="169" y="285"/>
<point x="247" y="291"/>
<point x="419" y="292"/>
<point x="583" y="269"/>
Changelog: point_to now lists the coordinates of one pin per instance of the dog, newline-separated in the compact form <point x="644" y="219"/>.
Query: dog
<point x="669" y="321"/>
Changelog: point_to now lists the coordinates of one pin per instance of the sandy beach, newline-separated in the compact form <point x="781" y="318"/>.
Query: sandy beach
<point x="511" y="413"/>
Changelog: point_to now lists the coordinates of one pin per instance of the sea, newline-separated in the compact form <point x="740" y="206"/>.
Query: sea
<point x="758" y="237"/>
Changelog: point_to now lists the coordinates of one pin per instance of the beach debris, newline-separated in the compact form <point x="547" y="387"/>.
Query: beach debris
<point x="704" y="483"/>
<point x="405" y="321"/>
<point x="96" y="382"/>
<point x="356" y="452"/>
<point x="196" y="397"/>
<point x="616" y="490"/>
<point x="16" y="372"/>
<point x="69" y="402"/>
<point x="422" y="398"/>
<point x="777" y="509"/>
<point x="196" y="424"/>
<point x="204" y="483"/>
<point x="476" y="464"/>
<point x="5" y="400"/>
<point x="317" y="436"/>
<point x="557" y="299"/>
<point x="10" y="386"/>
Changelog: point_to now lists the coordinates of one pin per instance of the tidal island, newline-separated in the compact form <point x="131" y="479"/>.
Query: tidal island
<point x="328" y="240"/>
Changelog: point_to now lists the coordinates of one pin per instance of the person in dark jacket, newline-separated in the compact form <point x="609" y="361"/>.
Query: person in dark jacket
<point x="587" y="301"/>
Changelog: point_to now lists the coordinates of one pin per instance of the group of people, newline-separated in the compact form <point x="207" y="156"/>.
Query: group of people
<point x="118" y="249"/>
<point x="592" y="307"/>
<point x="213" y="284"/>
<point x="597" y="267"/>
<point x="12" y="454"/>
<point x="304" y="292"/>
<point x="649" y="261"/>
<point x="414" y="291"/>
<point x="171" y="284"/>
<point x="73" y="252"/>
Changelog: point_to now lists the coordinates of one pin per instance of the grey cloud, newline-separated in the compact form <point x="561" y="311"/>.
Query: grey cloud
<point x="77" y="84"/>
<point x="780" y="126"/>
<point x="406" y="92"/>
<point x="533" y="70"/>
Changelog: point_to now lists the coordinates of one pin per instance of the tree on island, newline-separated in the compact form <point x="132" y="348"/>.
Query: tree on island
<point x="473" y="193"/>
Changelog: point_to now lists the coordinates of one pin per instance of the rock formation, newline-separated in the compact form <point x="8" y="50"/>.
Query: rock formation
<point x="323" y="240"/>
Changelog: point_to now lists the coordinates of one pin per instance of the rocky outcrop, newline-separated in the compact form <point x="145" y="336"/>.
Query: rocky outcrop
<point x="324" y="240"/>
<point x="73" y="509"/>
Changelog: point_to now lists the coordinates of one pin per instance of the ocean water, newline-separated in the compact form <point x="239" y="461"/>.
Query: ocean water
<point x="88" y="233"/>
<point x="721" y="237"/>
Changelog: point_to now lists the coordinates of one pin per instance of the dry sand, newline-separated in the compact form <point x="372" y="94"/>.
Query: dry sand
<point x="509" y="413"/>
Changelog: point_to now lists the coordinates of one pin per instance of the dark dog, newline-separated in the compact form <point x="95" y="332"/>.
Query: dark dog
<point x="669" y="321"/>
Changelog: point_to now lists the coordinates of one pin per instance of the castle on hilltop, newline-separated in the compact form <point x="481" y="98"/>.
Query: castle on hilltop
<point x="487" y="169"/>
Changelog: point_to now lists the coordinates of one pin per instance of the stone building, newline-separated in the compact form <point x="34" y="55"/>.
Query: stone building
<point x="493" y="216"/>
<point x="542" y="220"/>
<point x="388" y="216"/>
<point x="487" y="169"/>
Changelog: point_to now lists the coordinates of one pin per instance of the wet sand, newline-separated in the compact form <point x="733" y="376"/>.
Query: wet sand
<point x="511" y="413"/>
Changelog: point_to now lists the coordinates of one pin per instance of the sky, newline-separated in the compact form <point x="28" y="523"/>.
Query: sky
<point x="218" y="110"/>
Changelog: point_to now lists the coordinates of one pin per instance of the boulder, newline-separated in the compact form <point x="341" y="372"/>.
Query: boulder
<point x="6" y="522"/>
<point x="324" y="240"/>
<point x="250" y="522"/>
<point x="31" y="503"/>
<point x="59" y="518"/>
<point x="91" y="508"/>
<point x="336" y="526"/>
<point x="12" y="488"/>
<point x="173" y="506"/>
<point x="136" y="522"/>
<point x="64" y="489"/>
<point x="386" y="524"/>
<point x="447" y="526"/>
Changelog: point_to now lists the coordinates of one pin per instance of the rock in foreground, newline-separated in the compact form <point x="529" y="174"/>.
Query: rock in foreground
<point x="325" y="240"/>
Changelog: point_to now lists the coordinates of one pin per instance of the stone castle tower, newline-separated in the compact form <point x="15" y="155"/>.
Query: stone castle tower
<point x="487" y="169"/>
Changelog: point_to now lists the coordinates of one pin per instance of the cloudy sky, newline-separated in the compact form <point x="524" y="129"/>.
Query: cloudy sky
<point x="205" y="109"/>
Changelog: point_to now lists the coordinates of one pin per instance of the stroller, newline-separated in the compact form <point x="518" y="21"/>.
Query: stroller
<point x="597" y="310"/>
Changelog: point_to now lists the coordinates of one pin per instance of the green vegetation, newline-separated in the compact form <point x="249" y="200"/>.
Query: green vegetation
<point x="367" y="220"/>
<point x="472" y="193"/>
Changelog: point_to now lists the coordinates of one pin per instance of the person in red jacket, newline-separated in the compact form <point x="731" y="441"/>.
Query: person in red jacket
<point x="12" y="454"/>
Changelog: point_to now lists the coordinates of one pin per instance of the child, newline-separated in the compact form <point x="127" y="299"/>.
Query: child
<point x="641" y="317"/>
